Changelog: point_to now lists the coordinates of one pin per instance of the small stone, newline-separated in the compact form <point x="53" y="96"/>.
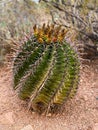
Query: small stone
<point x="96" y="126"/>
<point x="9" y="117"/>
<point x="97" y="98"/>
<point x="49" y="115"/>
<point x="28" y="127"/>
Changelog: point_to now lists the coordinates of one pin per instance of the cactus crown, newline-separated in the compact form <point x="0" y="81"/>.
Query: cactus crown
<point x="49" y="34"/>
<point x="46" y="74"/>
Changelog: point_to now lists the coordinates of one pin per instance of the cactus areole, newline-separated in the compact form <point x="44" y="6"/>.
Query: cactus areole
<point x="46" y="69"/>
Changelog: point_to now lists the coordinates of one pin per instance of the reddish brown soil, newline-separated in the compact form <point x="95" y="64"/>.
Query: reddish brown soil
<point x="80" y="113"/>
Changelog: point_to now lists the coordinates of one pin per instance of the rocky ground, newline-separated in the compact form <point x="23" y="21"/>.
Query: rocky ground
<point x="80" y="113"/>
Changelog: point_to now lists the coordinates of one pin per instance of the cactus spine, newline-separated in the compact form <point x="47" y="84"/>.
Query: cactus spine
<point x="46" y="69"/>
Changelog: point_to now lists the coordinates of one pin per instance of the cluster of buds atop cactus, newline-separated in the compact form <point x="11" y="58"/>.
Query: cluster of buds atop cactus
<point x="49" y="34"/>
<point x="46" y="74"/>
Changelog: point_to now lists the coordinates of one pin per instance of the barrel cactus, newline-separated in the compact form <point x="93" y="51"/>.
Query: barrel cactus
<point x="46" y="69"/>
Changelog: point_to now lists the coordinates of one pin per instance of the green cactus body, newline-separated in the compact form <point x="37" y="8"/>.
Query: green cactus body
<point x="46" y="74"/>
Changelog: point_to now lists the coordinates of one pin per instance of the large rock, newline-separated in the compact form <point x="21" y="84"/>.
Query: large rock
<point x="87" y="51"/>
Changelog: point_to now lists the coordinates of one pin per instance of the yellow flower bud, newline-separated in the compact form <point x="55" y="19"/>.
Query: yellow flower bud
<point x="40" y="40"/>
<point x="48" y="40"/>
<point x="60" y="38"/>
